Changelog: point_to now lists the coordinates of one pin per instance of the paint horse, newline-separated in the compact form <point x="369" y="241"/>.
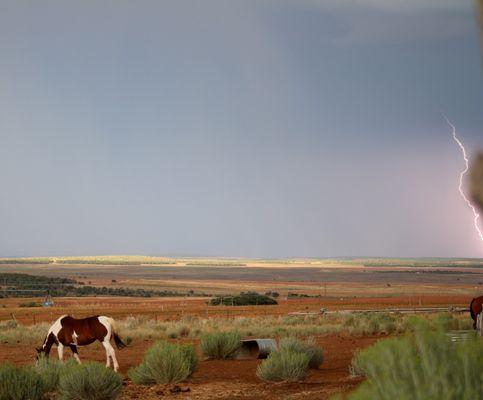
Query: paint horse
<point x="476" y="307"/>
<point x="71" y="332"/>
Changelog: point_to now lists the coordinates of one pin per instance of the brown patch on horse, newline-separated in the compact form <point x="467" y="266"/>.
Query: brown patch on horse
<point x="476" y="307"/>
<point x="81" y="332"/>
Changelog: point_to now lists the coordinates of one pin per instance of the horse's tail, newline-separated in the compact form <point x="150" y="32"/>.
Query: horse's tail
<point x="119" y="343"/>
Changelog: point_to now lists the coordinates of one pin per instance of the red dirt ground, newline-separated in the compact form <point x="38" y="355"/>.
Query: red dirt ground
<point x="232" y="379"/>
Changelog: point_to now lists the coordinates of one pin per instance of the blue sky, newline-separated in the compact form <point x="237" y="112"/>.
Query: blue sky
<point x="266" y="128"/>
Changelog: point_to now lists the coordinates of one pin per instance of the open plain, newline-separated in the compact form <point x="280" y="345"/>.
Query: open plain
<point x="304" y="288"/>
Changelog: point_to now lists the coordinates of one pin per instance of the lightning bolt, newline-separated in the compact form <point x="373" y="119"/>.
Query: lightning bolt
<point x="476" y="215"/>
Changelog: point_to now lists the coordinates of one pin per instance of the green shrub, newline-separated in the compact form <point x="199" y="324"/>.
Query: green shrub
<point x="221" y="345"/>
<point x="423" y="365"/>
<point x="414" y="322"/>
<point x="308" y="347"/>
<point x="189" y="354"/>
<point x="284" y="365"/>
<point x="20" y="383"/>
<point x="165" y="363"/>
<point x="91" y="381"/>
<point x="371" y="323"/>
<point x="30" y="304"/>
<point x="243" y="299"/>
<point x="446" y="321"/>
<point x="49" y="371"/>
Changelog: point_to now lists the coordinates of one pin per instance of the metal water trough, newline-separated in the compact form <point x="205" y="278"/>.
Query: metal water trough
<point x="256" y="349"/>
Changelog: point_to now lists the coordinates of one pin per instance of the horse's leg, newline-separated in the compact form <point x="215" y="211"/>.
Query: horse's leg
<point x="110" y="352"/>
<point x="114" y="359"/>
<point x="73" y="347"/>
<point x="60" y="350"/>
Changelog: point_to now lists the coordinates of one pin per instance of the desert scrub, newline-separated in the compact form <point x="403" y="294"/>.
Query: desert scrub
<point x="133" y="322"/>
<point x="448" y="321"/>
<point x="49" y="371"/>
<point x="9" y="324"/>
<point x="12" y="332"/>
<point x="269" y="326"/>
<point x="284" y="365"/>
<point x="308" y="347"/>
<point x="373" y="323"/>
<point x="91" y="381"/>
<point x="177" y="331"/>
<point x="220" y="345"/>
<point x="423" y="365"/>
<point x="20" y="383"/>
<point x="165" y="363"/>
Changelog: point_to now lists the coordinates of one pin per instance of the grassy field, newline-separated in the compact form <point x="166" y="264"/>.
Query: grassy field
<point x="191" y="326"/>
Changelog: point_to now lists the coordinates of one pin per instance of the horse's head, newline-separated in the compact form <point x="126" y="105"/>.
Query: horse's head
<point x="41" y="353"/>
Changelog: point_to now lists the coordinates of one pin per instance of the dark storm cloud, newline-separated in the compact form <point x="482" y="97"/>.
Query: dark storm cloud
<point x="250" y="128"/>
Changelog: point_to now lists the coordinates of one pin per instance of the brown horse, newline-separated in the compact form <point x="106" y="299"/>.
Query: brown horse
<point x="71" y="332"/>
<point x="476" y="307"/>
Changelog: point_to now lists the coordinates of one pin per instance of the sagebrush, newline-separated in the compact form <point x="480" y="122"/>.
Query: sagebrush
<point x="284" y="365"/>
<point x="423" y="365"/>
<point x="165" y="363"/>
<point x="49" y="370"/>
<point x="308" y="347"/>
<point x="91" y="381"/>
<point x="220" y="345"/>
<point x="20" y="383"/>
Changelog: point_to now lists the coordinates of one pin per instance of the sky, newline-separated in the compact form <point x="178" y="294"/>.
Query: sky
<point x="242" y="128"/>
